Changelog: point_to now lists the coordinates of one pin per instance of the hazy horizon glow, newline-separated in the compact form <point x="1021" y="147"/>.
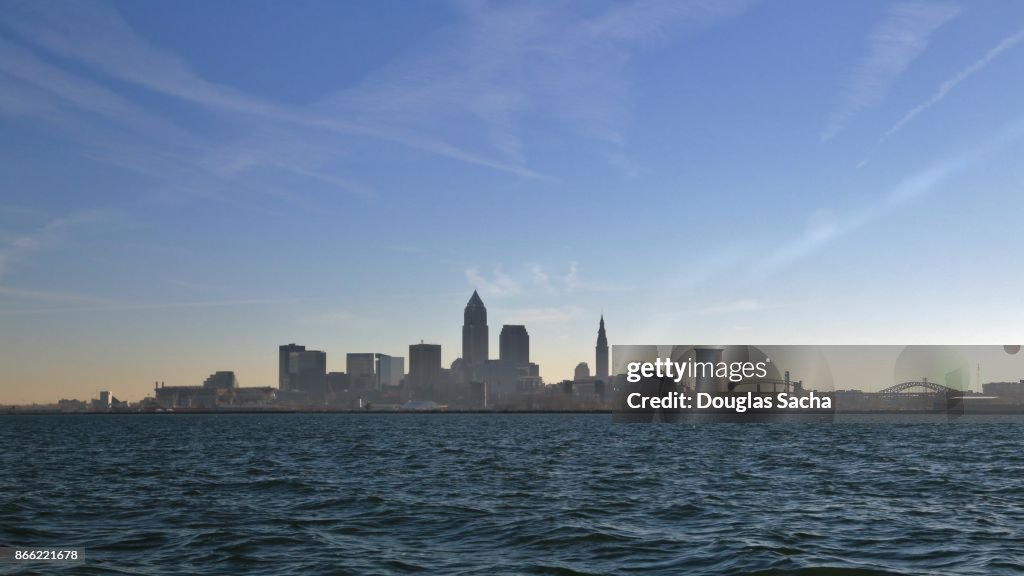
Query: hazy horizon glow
<point x="187" y="186"/>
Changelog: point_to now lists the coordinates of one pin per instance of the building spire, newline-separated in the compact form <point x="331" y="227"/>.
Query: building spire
<point x="474" y="331"/>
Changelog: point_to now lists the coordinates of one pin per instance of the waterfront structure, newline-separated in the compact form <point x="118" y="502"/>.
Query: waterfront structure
<point x="478" y="395"/>
<point x="72" y="405"/>
<point x="601" y="365"/>
<point x="107" y="401"/>
<point x="220" y="389"/>
<point x="514" y="345"/>
<point x="185" y="396"/>
<point x="474" y="332"/>
<point x="506" y="381"/>
<point x="222" y="379"/>
<point x="1005" y="391"/>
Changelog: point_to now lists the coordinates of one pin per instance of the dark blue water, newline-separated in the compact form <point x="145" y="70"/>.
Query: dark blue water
<point x="494" y="494"/>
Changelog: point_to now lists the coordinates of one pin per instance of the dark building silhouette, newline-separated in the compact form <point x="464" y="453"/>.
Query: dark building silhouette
<point x="337" y="384"/>
<point x="362" y="370"/>
<point x="302" y="371"/>
<point x="373" y="371"/>
<point x="705" y="382"/>
<point x="601" y="368"/>
<point x="224" y="379"/>
<point x="219" y="390"/>
<point x="478" y="395"/>
<point x="582" y="372"/>
<point x="514" y="345"/>
<point x="390" y="371"/>
<point x="474" y="331"/>
<point x="424" y="367"/>
<point x="308" y="372"/>
<point x="283" y="365"/>
<point x="1005" y="390"/>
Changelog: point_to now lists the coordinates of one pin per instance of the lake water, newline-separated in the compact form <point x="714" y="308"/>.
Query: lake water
<point x="496" y="494"/>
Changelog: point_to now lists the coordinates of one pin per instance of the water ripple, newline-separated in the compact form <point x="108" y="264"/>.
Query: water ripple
<point x="494" y="494"/>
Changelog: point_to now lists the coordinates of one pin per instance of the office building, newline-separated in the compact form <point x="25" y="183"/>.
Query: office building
<point x="474" y="331"/>
<point x="424" y="367"/>
<point x="283" y="365"/>
<point x="514" y="345"/>
<point x="582" y="372"/>
<point x="390" y="371"/>
<point x="362" y="370"/>
<point x="307" y="372"/>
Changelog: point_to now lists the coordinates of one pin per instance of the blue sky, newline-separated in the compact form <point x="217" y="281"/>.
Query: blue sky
<point x="186" y="185"/>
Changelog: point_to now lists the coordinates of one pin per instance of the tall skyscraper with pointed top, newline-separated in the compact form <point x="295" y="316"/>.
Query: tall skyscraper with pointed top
<point x="474" y="331"/>
<point x="601" y="370"/>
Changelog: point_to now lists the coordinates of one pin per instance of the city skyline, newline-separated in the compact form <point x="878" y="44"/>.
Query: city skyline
<point x="187" y="188"/>
<point x="864" y="377"/>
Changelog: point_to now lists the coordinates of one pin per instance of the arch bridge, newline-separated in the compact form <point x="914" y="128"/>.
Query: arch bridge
<point x="921" y="387"/>
<point x="767" y="385"/>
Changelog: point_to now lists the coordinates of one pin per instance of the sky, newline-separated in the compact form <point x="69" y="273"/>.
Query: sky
<point x="186" y="185"/>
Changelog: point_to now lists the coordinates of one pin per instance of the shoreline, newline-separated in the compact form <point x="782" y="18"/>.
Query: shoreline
<point x="30" y="412"/>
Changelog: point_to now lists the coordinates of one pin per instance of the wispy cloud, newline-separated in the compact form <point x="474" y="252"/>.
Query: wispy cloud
<point x="901" y="36"/>
<point x="159" y="148"/>
<point x="56" y="89"/>
<point x="537" y="279"/>
<point x="503" y="65"/>
<point x="102" y="305"/>
<point x="15" y="247"/>
<point x="329" y="318"/>
<point x="823" y="226"/>
<point x="741" y="306"/>
<point x="542" y="316"/>
<point x="22" y="294"/>
<point x="653" y="18"/>
<point x="946" y="87"/>
<point x="744" y="306"/>
<point x="464" y="95"/>
<point x="96" y="35"/>
<point x="498" y="283"/>
<point x="574" y="282"/>
<point x="734" y="266"/>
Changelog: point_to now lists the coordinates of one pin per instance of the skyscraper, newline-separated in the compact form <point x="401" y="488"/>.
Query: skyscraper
<point x="514" y="345"/>
<point x="307" y="372"/>
<point x="284" y="382"/>
<point x="424" y="367"/>
<point x="474" y="331"/>
<point x="362" y="370"/>
<point x="601" y="370"/>
<point x="390" y="370"/>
